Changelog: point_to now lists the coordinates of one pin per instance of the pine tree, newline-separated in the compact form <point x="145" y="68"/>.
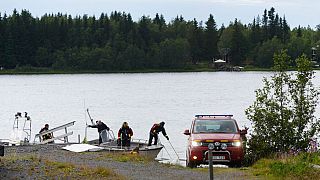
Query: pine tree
<point x="299" y="32"/>
<point x="265" y="28"/>
<point x="285" y="30"/>
<point x="211" y="39"/>
<point x="255" y="33"/>
<point x="238" y="44"/>
<point x="195" y="43"/>
<point x="272" y="23"/>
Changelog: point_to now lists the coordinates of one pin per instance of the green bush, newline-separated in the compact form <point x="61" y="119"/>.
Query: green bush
<point x="282" y="115"/>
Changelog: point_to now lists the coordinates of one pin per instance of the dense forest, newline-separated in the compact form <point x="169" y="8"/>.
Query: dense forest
<point x="115" y="42"/>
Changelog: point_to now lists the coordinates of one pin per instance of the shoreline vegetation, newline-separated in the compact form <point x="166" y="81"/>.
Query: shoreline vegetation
<point x="193" y="68"/>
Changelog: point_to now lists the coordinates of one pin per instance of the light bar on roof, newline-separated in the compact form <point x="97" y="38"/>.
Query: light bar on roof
<point x="213" y="115"/>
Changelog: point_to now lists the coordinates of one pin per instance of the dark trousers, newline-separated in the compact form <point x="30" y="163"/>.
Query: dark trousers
<point x="124" y="142"/>
<point x="100" y="140"/>
<point x="151" y="136"/>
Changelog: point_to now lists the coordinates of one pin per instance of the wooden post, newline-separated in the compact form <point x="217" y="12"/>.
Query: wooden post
<point x="210" y="147"/>
<point x="66" y="138"/>
<point x="1" y="150"/>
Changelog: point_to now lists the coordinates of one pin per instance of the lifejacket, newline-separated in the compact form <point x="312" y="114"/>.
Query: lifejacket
<point x="125" y="133"/>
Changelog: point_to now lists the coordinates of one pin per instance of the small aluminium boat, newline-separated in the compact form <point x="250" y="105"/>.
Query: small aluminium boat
<point x="137" y="145"/>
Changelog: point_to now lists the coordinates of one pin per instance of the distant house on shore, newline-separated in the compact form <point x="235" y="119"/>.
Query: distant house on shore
<point x="219" y="64"/>
<point x="222" y="65"/>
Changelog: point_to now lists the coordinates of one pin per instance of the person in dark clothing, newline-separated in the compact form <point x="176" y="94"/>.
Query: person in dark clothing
<point x="46" y="136"/>
<point x="124" y="135"/>
<point x="154" y="131"/>
<point x="101" y="127"/>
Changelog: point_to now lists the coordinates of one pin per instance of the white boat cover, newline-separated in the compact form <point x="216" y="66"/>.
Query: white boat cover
<point x="219" y="61"/>
<point x="82" y="148"/>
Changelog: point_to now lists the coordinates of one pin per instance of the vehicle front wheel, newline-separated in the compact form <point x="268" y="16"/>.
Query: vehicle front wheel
<point x="236" y="164"/>
<point x="190" y="164"/>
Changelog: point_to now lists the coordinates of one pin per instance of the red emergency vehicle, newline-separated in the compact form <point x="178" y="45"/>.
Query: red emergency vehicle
<point x="220" y="130"/>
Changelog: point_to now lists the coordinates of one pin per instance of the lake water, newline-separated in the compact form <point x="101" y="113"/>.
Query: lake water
<point x="140" y="99"/>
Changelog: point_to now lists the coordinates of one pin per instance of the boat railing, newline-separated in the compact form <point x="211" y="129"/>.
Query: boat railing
<point x="111" y="135"/>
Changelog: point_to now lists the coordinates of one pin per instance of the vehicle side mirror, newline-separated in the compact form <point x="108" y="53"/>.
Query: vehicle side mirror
<point x="244" y="131"/>
<point x="186" y="132"/>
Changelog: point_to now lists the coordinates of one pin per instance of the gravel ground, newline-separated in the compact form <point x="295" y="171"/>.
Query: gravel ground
<point x="20" y="169"/>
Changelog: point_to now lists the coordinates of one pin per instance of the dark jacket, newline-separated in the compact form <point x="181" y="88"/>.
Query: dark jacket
<point x="101" y="126"/>
<point x="125" y="133"/>
<point x="156" y="128"/>
<point x="46" y="136"/>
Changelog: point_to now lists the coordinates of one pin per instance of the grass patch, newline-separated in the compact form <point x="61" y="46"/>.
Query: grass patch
<point x="125" y="157"/>
<point x="173" y="165"/>
<point x="61" y="167"/>
<point x="293" y="167"/>
<point x="219" y="170"/>
<point x="70" y="170"/>
<point x="100" y="172"/>
<point x="38" y="168"/>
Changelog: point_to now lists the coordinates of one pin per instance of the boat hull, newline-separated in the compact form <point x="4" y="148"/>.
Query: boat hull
<point x="136" y="146"/>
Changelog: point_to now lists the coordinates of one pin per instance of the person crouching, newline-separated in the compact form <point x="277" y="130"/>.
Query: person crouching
<point x="154" y="131"/>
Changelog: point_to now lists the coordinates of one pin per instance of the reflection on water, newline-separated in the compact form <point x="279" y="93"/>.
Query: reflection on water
<point x="139" y="99"/>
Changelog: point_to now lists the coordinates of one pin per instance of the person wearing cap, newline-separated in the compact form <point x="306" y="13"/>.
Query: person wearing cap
<point x="46" y="136"/>
<point x="154" y="131"/>
<point x="124" y="135"/>
<point x="101" y="127"/>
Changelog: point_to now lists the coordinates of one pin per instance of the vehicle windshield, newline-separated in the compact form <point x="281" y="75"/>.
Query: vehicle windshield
<point x="214" y="126"/>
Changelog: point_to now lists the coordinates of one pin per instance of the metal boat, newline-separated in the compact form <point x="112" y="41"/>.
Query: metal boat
<point x="136" y="146"/>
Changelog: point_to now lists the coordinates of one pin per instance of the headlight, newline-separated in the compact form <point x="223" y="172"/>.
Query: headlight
<point x="224" y="146"/>
<point x="236" y="143"/>
<point x="196" y="143"/>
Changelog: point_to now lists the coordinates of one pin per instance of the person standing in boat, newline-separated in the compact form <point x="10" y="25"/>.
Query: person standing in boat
<point x="154" y="131"/>
<point x="46" y="136"/>
<point x="124" y="135"/>
<point x="102" y="130"/>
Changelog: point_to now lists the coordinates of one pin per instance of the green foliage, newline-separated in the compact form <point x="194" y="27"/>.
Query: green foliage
<point x="296" y="167"/>
<point x="266" y="52"/>
<point x="282" y="115"/>
<point x="173" y="53"/>
<point x="117" y="43"/>
<point x="238" y="44"/>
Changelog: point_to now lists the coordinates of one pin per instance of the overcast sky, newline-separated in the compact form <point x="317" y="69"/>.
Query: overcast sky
<point x="297" y="12"/>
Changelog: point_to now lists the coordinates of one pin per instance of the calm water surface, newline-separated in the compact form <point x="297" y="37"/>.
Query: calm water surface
<point x="139" y="99"/>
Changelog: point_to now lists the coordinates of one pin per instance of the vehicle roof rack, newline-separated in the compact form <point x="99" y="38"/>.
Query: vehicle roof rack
<point x="213" y="116"/>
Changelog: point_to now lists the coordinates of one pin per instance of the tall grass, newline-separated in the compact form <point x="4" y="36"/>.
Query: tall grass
<point x="292" y="167"/>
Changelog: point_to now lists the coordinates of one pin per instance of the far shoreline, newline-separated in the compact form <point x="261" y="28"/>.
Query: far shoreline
<point x="36" y="71"/>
